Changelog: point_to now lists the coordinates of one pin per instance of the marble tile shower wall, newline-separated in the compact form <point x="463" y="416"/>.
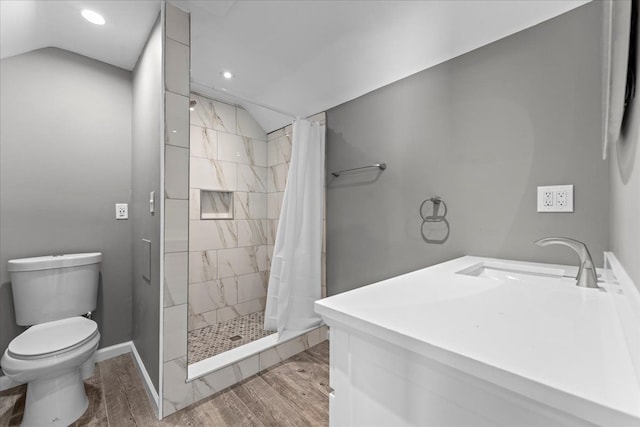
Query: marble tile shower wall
<point x="174" y="393"/>
<point x="228" y="265"/>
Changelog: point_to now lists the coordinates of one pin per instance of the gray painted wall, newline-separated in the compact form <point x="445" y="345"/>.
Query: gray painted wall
<point x="148" y="103"/>
<point x="625" y="190"/>
<point x="65" y="161"/>
<point x="481" y="131"/>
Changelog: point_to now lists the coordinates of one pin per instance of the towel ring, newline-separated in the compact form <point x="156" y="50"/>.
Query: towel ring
<point x="436" y="201"/>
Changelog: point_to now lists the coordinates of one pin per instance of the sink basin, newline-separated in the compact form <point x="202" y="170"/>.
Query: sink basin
<point x="511" y="271"/>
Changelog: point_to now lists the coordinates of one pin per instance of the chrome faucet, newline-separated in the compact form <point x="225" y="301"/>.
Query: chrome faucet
<point x="586" y="277"/>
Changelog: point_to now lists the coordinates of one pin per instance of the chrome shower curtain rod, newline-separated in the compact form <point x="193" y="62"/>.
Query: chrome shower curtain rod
<point x="242" y="98"/>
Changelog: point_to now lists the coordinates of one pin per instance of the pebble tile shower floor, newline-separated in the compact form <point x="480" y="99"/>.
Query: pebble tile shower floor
<point x="223" y="336"/>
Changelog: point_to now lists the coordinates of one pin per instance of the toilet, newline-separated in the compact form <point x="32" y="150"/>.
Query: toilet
<point x="52" y="295"/>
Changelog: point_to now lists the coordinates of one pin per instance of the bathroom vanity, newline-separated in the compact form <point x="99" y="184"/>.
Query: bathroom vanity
<point x="484" y="342"/>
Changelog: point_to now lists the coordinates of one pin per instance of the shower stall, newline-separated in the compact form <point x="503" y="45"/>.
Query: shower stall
<point x="223" y="181"/>
<point x="237" y="181"/>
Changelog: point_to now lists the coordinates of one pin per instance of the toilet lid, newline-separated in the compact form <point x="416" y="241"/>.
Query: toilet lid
<point x="52" y="337"/>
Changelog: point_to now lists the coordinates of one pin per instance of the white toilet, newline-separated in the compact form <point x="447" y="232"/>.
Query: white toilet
<point x="51" y="293"/>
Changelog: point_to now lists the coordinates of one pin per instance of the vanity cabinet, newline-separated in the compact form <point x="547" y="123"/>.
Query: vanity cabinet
<point x="481" y="342"/>
<point x="376" y="383"/>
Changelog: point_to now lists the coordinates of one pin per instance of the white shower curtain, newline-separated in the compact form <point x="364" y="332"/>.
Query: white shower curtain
<point x="294" y="281"/>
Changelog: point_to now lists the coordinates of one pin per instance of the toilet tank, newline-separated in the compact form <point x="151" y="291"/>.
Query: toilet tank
<point x="54" y="287"/>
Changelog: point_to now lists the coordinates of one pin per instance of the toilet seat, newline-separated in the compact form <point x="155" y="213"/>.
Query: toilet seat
<point x="52" y="338"/>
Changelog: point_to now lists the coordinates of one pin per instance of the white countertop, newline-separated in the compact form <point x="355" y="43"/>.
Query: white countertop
<point x="545" y="338"/>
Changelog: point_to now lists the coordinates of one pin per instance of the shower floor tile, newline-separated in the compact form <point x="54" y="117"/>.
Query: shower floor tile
<point x="223" y="336"/>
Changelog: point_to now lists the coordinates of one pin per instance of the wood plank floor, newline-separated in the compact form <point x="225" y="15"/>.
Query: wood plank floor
<point x="293" y="393"/>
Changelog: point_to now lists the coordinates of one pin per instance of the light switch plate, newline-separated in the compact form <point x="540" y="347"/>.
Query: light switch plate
<point x="555" y="198"/>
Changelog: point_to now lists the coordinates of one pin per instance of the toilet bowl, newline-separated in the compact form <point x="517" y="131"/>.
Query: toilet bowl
<point x="49" y="357"/>
<point x="50" y="295"/>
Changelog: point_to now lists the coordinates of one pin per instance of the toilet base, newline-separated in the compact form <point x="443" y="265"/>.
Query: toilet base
<point x="57" y="401"/>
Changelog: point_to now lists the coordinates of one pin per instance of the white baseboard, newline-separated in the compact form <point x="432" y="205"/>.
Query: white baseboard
<point x="112" y="351"/>
<point x="105" y="354"/>
<point x="148" y="384"/>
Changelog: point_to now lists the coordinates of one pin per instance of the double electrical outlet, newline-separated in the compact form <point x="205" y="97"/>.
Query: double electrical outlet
<point x="122" y="211"/>
<point x="555" y="198"/>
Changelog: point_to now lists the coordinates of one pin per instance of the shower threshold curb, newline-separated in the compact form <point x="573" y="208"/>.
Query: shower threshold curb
<point x="229" y="357"/>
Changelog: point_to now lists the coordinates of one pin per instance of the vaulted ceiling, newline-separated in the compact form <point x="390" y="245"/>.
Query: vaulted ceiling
<point x="302" y="57"/>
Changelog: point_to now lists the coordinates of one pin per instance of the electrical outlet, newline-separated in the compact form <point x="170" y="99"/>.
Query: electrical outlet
<point x="555" y="198"/>
<point x="122" y="211"/>
<point x="561" y="198"/>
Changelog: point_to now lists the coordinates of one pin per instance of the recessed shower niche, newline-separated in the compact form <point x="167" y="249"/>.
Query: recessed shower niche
<point x="216" y="204"/>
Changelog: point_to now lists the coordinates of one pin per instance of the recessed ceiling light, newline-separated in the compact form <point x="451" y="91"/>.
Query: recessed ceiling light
<point x="227" y="74"/>
<point x="93" y="17"/>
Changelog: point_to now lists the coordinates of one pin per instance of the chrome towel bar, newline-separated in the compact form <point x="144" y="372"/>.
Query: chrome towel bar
<point x="381" y="166"/>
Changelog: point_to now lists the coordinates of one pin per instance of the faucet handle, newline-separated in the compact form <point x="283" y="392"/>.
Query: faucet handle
<point x="586" y="277"/>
